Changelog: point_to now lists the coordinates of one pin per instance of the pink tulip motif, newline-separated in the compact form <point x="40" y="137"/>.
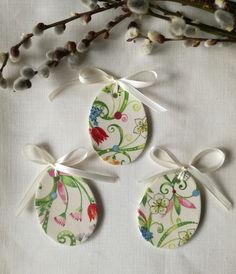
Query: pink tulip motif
<point x="61" y="191"/>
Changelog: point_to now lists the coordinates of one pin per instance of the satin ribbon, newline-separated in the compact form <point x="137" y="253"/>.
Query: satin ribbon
<point x="95" y="75"/>
<point x="63" y="164"/>
<point x="195" y="167"/>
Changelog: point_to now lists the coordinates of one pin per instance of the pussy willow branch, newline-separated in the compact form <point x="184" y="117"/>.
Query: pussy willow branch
<point x="105" y="32"/>
<point x="58" y="23"/>
<point x="201" y="26"/>
<point x="207" y="5"/>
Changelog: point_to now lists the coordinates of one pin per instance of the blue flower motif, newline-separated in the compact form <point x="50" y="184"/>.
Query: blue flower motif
<point x="115" y="148"/>
<point x="195" y="193"/>
<point x="53" y="195"/>
<point x="94" y="114"/>
<point x="146" y="233"/>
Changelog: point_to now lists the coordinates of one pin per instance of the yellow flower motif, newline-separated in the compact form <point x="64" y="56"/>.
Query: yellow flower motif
<point x="185" y="236"/>
<point x="158" y="204"/>
<point x="141" y="127"/>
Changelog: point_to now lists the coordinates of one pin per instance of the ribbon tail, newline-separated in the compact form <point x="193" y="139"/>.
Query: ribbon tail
<point x="30" y="193"/>
<point x="58" y="90"/>
<point x="211" y="187"/>
<point x="87" y="174"/>
<point x="144" y="99"/>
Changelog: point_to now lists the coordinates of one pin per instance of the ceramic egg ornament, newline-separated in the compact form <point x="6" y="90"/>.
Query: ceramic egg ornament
<point x="169" y="212"/>
<point x="118" y="125"/>
<point x="66" y="208"/>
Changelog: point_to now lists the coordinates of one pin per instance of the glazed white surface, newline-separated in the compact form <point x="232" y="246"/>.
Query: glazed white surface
<point x="198" y="88"/>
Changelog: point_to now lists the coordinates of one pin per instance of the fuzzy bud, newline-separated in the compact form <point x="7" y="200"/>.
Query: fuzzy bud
<point x="74" y="60"/>
<point x="60" y="53"/>
<point x="222" y="4"/>
<point x="131" y="33"/>
<point x="27" y="72"/>
<point x="147" y="46"/>
<point x="21" y="84"/>
<point x="156" y="37"/>
<point x="83" y="45"/>
<point x="138" y="6"/>
<point x="210" y="42"/>
<point x="28" y="41"/>
<point x="15" y="54"/>
<point x="50" y="54"/>
<point x="225" y="19"/>
<point x="44" y="71"/>
<point x="60" y="29"/>
<point x="71" y="46"/>
<point x="39" y="29"/>
<point x="177" y="26"/>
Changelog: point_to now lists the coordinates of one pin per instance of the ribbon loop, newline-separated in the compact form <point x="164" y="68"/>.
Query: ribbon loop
<point x="170" y="160"/>
<point x="208" y="160"/>
<point x="141" y="79"/>
<point x="38" y="155"/>
<point x="197" y="167"/>
<point x="94" y="75"/>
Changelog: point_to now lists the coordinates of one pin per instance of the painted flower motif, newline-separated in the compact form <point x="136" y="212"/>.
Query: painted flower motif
<point x="158" y="204"/>
<point x="77" y="214"/>
<point x="60" y="219"/>
<point x="185" y="236"/>
<point x="141" y="127"/>
<point x="148" y="235"/>
<point x="94" y="114"/>
<point x="98" y="135"/>
<point x="92" y="211"/>
<point x="61" y="191"/>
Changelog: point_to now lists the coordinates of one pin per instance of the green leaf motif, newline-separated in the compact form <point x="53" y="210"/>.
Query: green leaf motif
<point x="149" y="221"/>
<point x="149" y="190"/>
<point x="141" y="221"/>
<point x="68" y="181"/>
<point x="177" y="205"/>
<point x="144" y="200"/>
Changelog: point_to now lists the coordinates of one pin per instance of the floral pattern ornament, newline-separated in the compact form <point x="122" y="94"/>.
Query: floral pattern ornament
<point x="118" y="125"/>
<point x="66" y="208"/>
<point x="169" y="212"/>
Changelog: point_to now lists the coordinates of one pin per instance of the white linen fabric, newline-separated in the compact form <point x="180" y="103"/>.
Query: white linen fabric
<point x="197" y="85"/>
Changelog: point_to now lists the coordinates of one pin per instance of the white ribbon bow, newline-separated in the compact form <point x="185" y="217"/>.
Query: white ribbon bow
<point x="195" y="167"/>
<point x="41" y="156"/>
<point x="95" y="75"/>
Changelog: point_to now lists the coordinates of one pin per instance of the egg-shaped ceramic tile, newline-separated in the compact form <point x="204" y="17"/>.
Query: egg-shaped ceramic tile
<point x="169" y="212"/>
<point x="118" y="125"/>
<point x="66" y="208"/>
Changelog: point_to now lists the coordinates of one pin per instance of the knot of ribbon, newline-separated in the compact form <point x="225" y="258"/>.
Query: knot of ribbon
<point x="206" y="161"/>
<point x="64" y="164"/>
<point x="130" y="83"/>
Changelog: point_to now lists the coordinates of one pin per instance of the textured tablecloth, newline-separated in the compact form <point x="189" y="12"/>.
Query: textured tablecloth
<point x="197" y="85"/>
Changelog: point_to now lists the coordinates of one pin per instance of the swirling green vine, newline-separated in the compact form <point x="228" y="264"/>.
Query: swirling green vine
<point x="63" y="235"/>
